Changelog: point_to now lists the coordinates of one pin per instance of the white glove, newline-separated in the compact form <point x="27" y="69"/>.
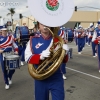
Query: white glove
<point x="45" y="54"/>
<point x="65" y="47"/>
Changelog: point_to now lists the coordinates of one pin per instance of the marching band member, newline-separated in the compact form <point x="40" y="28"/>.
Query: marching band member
<point x="80" y="36"/>
<point x="68" y="37"/>
<point x="63" y="65"/>
<point x="16" y="39"/>
<point x="38" y="47"/>
<point x="96" y="26"/>
<point x="90" y="34"/>
<point x="6" y="46"/>
<point x="90" y="38"/>
<point x="75" y="37"/>
<point x="84" y="35"/>
<point x="96" y="40"/>
<point x="36" y="51"/>
<point x="23" y="40"/>
<point x="87" y="33"/>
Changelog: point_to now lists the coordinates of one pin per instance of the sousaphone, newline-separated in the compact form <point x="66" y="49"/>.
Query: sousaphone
<point x="52" y="13"/>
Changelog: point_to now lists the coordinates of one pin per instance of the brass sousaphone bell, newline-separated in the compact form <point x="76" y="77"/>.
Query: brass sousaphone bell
<point x="52" y="13"/>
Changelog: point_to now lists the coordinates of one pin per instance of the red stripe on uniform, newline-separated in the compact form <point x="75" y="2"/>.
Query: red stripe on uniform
<point x="61" y="34"/>
<point x="35" y="59"/>
<point x="6" y="46"/>
<point x="65" y="60"/>
<point x="16" y="49"/>
<point x="56" y="40"/>
<point x="96" y="41"/>
<point x="6" y="41"/>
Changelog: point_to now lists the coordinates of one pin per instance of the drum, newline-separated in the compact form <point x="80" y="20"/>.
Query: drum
<point x="12" y="62"/>
<point x="22" y="32"/>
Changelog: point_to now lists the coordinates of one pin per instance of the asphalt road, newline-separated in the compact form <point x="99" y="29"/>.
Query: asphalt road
<point x="82" y="84"/>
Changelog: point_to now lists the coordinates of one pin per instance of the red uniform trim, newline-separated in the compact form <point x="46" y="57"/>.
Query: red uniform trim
<point x="90" y="37"/>
<point x="5" y="43"/>
<point x="16" y="49"/>
<point x="34" y="59"/>
<point x="96" y="41"/>
<point x="56" y="40"/>
<point x="65" y="59"/>
<point x="61" y="34"/>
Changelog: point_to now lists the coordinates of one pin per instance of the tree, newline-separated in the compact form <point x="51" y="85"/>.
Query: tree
<point x="11" y="13"/>
<point x="0" y="16"/>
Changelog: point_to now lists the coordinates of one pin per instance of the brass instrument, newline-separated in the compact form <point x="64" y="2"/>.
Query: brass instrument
<point x="53" y="16"/>
<point x="56" y="59"/>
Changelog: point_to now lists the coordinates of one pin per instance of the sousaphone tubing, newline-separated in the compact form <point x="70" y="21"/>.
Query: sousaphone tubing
<point x="52" y="13"/>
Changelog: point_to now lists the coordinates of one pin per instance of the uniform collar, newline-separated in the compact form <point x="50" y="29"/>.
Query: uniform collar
<point x="46" y="38"/>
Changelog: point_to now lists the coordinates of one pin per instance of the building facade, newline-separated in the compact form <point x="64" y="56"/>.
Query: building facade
<point x="82" y="17"/>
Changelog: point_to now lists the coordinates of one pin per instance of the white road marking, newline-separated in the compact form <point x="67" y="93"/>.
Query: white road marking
<point x="83" y="73"/>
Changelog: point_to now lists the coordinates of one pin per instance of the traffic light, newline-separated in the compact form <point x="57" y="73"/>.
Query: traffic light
<point x="20" y="16"/>
<point x="75" y="8"/>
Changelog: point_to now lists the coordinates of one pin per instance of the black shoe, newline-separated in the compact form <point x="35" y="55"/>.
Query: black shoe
<point x="71" y="57"/>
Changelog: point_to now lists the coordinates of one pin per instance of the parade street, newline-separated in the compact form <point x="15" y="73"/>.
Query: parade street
<point x="83" y="79"/>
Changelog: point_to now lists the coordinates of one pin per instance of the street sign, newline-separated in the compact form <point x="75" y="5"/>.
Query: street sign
<point x="34" y="23"/>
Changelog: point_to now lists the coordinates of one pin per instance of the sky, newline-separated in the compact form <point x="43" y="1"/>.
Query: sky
<point x="21" y="7"/>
